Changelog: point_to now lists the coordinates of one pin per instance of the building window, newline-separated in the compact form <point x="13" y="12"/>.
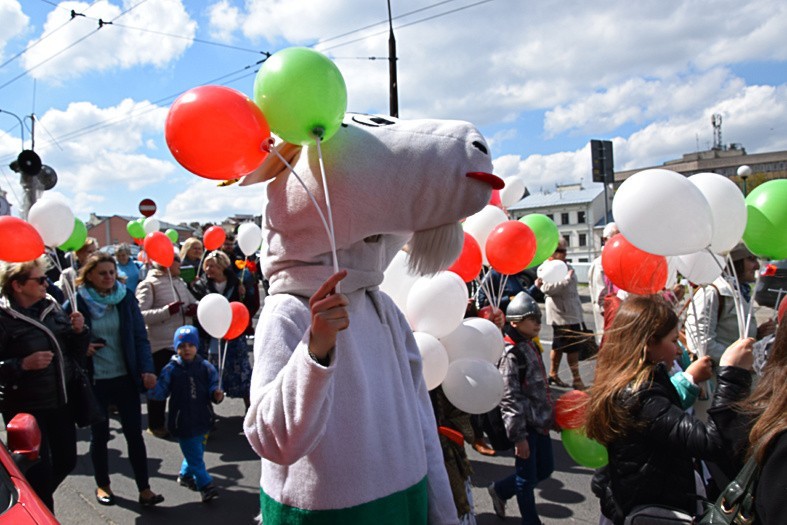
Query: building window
<point x="564" y="218"/>
<point x="583" y="239"/>
<point x="551" y="217"/>
<point x="583" y="259"/>
<point x="566" y="238"/>
<point x="581" y="217"/>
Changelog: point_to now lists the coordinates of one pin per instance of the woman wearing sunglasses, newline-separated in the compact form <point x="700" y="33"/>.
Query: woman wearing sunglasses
<point x="39" y="347"/>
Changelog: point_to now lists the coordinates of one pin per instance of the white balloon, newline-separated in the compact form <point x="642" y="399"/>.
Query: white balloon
<point x="474" y="386"/>
<point x="214" y="314"/>
<point x="552" y="271"/>
<point x="436" y="304"/>
<point x="249" y="238"/>
<point x="700" y="267"/>
<point x="434" y="359"/>
<point x="482" y="223"/>
<point x="512" y="192"/>
<point x="661" y="212"/>
<point x="397" y="280"/>
<point x="728" y="207"/>
<point x="151" y="225"/>
<point x="477" y="338"/>
<point x="53" y="220"/>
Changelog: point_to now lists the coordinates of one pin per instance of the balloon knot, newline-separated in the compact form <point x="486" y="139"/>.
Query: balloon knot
<point x="267" y="144"/>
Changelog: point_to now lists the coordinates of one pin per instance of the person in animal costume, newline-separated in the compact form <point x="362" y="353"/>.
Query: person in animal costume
<point x="340" y="413"/>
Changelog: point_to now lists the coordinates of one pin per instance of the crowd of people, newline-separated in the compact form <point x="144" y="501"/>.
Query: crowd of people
<point x="676" y="399"/>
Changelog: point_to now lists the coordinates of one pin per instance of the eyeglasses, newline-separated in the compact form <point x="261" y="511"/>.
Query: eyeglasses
<point x="41" y="280"/>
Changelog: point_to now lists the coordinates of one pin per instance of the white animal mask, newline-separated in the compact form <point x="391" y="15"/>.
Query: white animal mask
<point x="389" y="180"/>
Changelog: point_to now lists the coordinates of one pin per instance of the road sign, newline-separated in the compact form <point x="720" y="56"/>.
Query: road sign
<point x="147" y="207"/>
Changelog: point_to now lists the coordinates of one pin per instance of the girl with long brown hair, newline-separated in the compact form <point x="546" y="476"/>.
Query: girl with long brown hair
<point x="767" y="405"/>
<point x="635" y="411"/>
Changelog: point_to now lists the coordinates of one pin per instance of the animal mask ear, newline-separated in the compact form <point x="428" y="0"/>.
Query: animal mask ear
<point x="272" y="167"/>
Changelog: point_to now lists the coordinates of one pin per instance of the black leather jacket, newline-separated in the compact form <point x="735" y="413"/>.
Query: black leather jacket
<point x="44" y="326"/>
<point x="654" y="464"/>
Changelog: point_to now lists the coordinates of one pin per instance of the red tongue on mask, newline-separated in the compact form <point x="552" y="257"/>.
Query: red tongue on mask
<point x="493" y="180"/>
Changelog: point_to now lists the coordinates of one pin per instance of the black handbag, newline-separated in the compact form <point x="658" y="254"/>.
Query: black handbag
<point x="658" y="515"/>
<point x="589" y="347"/>
<point x="82" y="400"/>
<point x="735" y="505"/>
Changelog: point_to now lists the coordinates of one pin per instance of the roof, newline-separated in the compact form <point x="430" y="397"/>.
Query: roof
<point x="559" y="198"/>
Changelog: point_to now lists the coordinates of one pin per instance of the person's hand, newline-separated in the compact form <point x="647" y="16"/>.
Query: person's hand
<point x="77" y="322"/>
<point x="739" y="354"/>
<point x="149" y="380"/>
<point x="522" y="449"/>
<point x="329" y="316"/>
<point x="174" y="307"/>
<point x="37" y="360"/>
<point x="92" y="348"/>
<point x="538" y="282"/>
<point x="765" y="329"/>
<point x="190" y="310"/>
<point x="701" y="369"/>
<point x="218" y="396"/>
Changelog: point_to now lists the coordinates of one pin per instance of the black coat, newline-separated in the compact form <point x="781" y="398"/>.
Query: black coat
<point x="44" y="326"/>
<point x="770" y="497"/>
<point x="654" y="464"/>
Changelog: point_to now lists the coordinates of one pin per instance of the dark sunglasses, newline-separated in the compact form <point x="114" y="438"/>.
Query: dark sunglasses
<point x="40" y="280"/>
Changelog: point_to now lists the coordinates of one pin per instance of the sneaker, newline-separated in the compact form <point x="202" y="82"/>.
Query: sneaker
<point x="209" y="492"/>
<point x="187" y="481"/>
<point x="497" y="502"/>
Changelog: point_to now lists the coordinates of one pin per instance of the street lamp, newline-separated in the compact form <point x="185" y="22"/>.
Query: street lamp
<point x="744" y="172"/>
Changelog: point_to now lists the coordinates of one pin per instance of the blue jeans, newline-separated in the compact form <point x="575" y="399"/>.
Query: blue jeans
<point x="193" y="465"/>
<point x="538" y="467"/>
<point x="122" y="391"/>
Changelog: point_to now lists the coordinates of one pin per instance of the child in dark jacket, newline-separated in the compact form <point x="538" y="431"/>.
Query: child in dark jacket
<point x="191" y="383"/>
<point x="526" y="408"/>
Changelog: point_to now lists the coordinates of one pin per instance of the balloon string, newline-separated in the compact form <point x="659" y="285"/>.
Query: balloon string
<point x="308" y="192"/>
<point x="737" y="297"/>
<point x="332" y="235"/>
<point x="201" y="260"/>
<point x="502" y="286"/>
<point x="70" y="292"/>
<point x="172" y="284"/>
<point x="222" y="358"/>
<point x="697" y="338"/>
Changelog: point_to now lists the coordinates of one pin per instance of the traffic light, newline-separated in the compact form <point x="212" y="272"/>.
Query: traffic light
<point x="603" y="162"/>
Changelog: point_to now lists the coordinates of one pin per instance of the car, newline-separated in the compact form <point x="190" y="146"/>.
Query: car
<point x="110" y="249"/>
<point x="19" y="504"/>
<point x="772" y="284"/>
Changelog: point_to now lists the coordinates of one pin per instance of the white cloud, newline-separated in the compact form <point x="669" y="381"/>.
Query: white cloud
<point x="132" y="39"/>
<point x="203" y="201"/>
<point x="14" y="23"/>
<point x="224" y="20"/>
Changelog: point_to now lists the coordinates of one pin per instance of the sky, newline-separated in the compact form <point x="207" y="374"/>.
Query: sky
<point x="539" y="79"/>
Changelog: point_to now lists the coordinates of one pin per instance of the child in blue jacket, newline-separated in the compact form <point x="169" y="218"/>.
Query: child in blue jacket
<point x="191" y="383"/>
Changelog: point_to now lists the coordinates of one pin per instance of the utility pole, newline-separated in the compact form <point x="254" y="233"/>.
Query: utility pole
<point x="394" y="89"/>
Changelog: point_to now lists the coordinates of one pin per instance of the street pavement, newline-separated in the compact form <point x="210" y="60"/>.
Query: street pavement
<point x="564" y="498"/>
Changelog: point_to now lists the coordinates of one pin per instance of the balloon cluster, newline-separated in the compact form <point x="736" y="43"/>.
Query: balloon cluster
<point x="670" y="223"/>
<point x="570" y="415"/>
<point x="219" y="133"/>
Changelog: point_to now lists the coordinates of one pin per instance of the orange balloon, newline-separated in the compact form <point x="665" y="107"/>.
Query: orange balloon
<point x="571" y="410"/>
<point x="216" y="132"/>
<point x="159" y="248"/>
<point x="632" y="269"/>
<point x="468" y="264"/>
<point x="214" y="237"/>
<point x="22" y="241"/>
<point x="240" y="320"/>
<point x="510" y="247"/>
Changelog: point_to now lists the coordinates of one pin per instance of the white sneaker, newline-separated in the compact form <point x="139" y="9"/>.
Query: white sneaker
<point x="497" y="502"/>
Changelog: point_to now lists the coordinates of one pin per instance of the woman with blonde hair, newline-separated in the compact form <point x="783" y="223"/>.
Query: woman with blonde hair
<point x="635" y="411"/>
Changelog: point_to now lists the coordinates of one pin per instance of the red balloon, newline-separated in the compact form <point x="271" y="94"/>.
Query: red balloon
<point x="214" y="237"/>
<point x="22" y="241"/>
<point x="632" y="269"/>
<point x="571" y="410"/>
<point x="489" y="313"/>
<point x="216" y="132"/>
<point x="159" y="249"/>
<point x="468" y="264"/>
<point x="510" y="247"/>
<point x="495" y="200"/>
<point x="240" y="320"/>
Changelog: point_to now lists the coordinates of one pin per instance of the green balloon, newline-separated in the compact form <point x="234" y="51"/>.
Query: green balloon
<point x="77" y="238"/>
<point x="302" y="93"/>
<point x="585" y="451"/>
<point x="172" y="234"/>
<point x="766" y="223"/>
<point x="547" y="236"/>
<point x="135" y="229"/>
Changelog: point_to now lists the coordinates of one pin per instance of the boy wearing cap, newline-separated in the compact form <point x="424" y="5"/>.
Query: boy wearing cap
<point x="526" y="408"/>
<point x="191" y="383"/>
